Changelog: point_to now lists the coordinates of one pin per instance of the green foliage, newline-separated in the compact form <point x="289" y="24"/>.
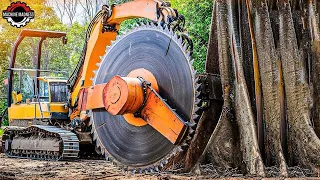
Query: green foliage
<point x="55" y="55"/>
<point x="3" y="105"/>
<point x="131" y="23"/>
<point x="198" y="20"/>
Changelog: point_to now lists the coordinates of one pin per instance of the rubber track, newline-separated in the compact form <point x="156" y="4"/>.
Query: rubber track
<point x="69" y="140"/>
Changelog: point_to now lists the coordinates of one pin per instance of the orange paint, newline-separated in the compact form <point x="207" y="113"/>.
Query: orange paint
<point x="96" y="47"/>
<point x="134" y="9"/>
<point x="123" y="95"/>
<point x="148" y="76"/>
<point x="95" y="100"/>
<point x="159" y="115"/>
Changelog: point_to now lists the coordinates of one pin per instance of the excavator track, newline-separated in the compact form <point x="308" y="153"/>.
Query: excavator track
<point x="40" y="142"/>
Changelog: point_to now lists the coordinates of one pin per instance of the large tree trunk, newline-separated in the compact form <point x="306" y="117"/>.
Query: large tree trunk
<point x="274" y="47"/>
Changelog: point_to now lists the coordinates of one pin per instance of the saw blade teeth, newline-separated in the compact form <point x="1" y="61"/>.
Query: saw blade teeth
<point x="194" y="74"/>
<point x="103" y="151"/>
<point x="189" y="54"/>
<point x="198" y="102"/>
<point x="126" y="168"/>
<point x="106" y="156"/>
<point x="191" y="62"/>
<point x="198" y="94"/>
<point x="184" y="145"/>
<point x="197" y="80"/>
<point x="179" y="149"/>
<point x="95" y="72"/>
<point x="175" y="151"/>
<point x="197" y="109"/>
<point x="121" y="167"/>
<point x="98" y="151"/>
<point x="159" y="27"/>
<point x="189" y="59"/>
<point x="188" y="138"/>
<point x="175" y="37"/>
<point x="192" y="125"/>
<point x="166" y="30"/>
<point x="161" y="165"/>
<point x="156" y="169"/>
<point x="198" y="87"/>
<point x="115" y="164"/>
<point x="94" y="136"/>
<point x="185" y="47"/>
<point x="92" y="130"/>
<point x="110" y="158"/>
<point x="98" y="64"/>
<point x="166" y="161"/>
<point x="144" y="25"/>
<point x="98" y="145"/>
<point x="151" y="170"/>
<point x="107" y="49"/>
<point x="180" y="40"/>
<point x="171" y="32"/>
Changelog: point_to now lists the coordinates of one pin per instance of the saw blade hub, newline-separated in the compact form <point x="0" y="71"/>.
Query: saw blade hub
<point x="125" y="95"/>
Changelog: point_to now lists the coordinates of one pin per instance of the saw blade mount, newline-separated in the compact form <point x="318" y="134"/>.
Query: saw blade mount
<point x="162" y="53"/>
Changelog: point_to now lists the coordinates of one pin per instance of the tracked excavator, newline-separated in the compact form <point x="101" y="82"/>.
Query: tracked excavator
<point x="137" y="98"/>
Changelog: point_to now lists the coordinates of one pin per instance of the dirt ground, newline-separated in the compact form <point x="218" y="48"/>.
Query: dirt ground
<point x="11" y="168"/>
<point x="80" y="169"/>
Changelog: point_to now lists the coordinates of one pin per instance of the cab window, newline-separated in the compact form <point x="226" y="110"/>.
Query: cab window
<point x="43" y="91"/>
<point x="59" y="92"/>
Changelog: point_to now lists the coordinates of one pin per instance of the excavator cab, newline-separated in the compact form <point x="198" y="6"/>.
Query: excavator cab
<point x="35" y="99"/>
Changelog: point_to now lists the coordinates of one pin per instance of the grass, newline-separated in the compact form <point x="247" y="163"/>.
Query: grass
<point x="1" y="132"/>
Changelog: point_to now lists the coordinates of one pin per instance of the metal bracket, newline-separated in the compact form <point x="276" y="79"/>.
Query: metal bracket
<point x="210" y="89"/>
<point x="145" y="85"/>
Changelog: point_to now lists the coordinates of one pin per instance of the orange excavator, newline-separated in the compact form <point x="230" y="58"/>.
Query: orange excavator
<point x="135" y="94"/>
<point x="137" y="98"/>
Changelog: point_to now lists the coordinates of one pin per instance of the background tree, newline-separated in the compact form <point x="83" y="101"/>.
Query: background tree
<point x="55" y="56"/>
<point x="60" y="7"/>
<point x="71" y="9"/>
<point x="198" y="20"/>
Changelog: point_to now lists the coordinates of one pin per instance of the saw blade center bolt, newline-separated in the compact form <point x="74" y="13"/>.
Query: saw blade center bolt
<point x="127" y="95"/>
<point x="122" y="95"/>
<point x="115" y="94"/>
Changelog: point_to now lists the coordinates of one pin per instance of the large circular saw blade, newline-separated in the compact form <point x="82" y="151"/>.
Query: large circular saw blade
<point x="160" y="52"/>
